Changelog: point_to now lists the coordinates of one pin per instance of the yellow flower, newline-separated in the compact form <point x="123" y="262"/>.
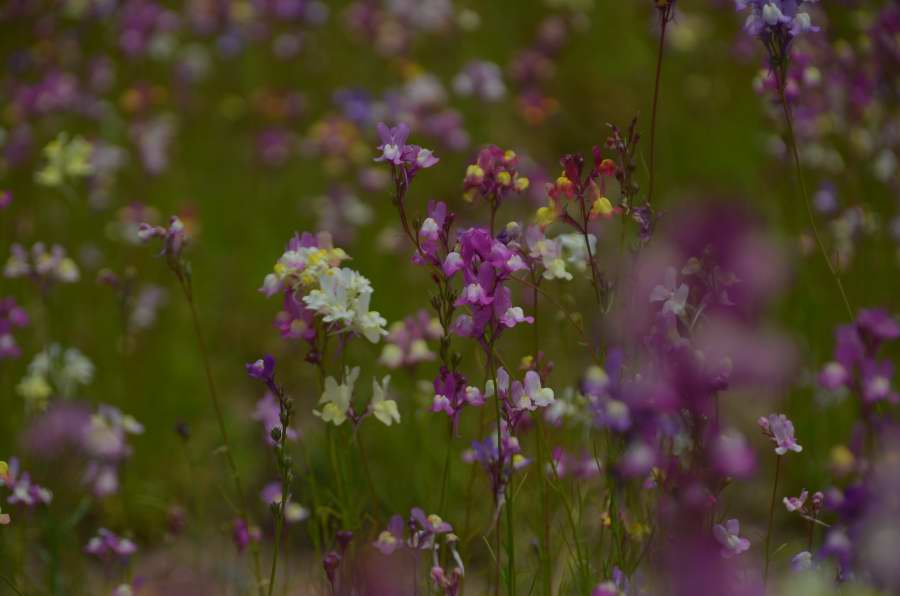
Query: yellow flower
<point x="522" y="183"/>
<point x="385" y="410"/>
<point x="504" y="178"/>
<point x="601" y="207"/>
<point x="545" y="216"/>
<point x="65" y="159"/>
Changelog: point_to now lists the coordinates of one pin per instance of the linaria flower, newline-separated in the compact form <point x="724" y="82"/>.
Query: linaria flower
<point x="12" y="316"/>
<point x="40" y="265"/>
<point x="385" y="410"/>
<point x="107" y="546"/>
<point x="391" y="538"/>
<point x="671" y="294"/>
<point x="342" y="299"/>
<point x="22" y="490"/>
<point x="796" y="503"/>
<point x="728" y="536"/>
<point x="272" y="494"/>
<point x="65" y="159"/>
<point x="781" y="431"/>
<point x="335" y="400"/>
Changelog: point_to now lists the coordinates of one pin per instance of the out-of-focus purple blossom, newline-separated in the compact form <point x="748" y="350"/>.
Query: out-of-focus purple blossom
<point x="12" y="316"/>
<point x="391" y="538"/>
<point x="268" y="413"/>
<point x="22" y="490"/>
<point x="407" y="341"/>
<point x="40" y="265"/>
<point x="777" y="17"/>
<point x="728" y="536"/>
<point x="108" y="547"/>
<point x="272" y="494"/>
<point x="242" y="534"/>
<point x="732" y="455"/>
<point x="480" y="79"/>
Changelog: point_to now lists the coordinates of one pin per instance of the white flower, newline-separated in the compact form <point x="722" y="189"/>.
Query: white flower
<point x="574" y="250"/>
<point x="674" y="297"/>
<point x="343" y="298"/>
<point x="335" y="400"/>
<point x="385" y="410"/>
<point x="533" y="395"/>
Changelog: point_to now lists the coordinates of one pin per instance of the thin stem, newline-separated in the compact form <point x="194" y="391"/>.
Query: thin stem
<point x="11" y="585"/>
<point x="792" y="142"/>
<point x="279" y="524"/>
<point x="446" y="472"/>
<point x="664" y="16"/>
<point x="545" y="509"/>
<point x="214" y="396"/>
<point x="771" y="516"/>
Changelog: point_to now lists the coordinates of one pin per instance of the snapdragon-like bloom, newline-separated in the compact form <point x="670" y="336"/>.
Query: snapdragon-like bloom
<point x="174" y="238"/>
<point x="397" y="152"/>
<point x="335" y="400"/>
<point x="105" y="442"/>
<point x="671" y="294"/>
<point x="796" y="503"/>
<point x="391" y="538"/>
<point x="342" y="298"/>
<point x="777" y="17"/>
<point x="66" y="160"/>
<point x="384" y="409"/>
<point x="42" y="266"/>
<point x="728" y="536"/>
<point x="494" y="175"/>
<point x="452" y="394"/>
<point x="107" y="546"/>
<point x="22" y="490"/>
<point x="781" y="431"/>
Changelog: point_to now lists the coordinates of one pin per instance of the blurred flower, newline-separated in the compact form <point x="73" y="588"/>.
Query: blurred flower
<point x="107" y="546"/>
<point x="40" y="265"/>
<point x="385" y="410"/>
<point x="22" y="490"/>
<point x="727" y="535"/>
<point x="65" y="159"/>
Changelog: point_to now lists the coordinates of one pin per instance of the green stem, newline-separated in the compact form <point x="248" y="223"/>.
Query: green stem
<point x="771" y="516"/>
<point x="663" y="21"/>
<point x="792" y="143"/>
<point x="446" y="473"/>
<point x="214" y="396"/>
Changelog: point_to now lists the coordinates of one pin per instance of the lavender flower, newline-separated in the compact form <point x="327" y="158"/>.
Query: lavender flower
<point x="728" y="536"/>
<point x="781" y="431"/>
<point x="107" y="546"/>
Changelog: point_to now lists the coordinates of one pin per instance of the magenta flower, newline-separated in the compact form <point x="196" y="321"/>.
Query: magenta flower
<point x="781" y="431"/>
<point x="728" y="536"/>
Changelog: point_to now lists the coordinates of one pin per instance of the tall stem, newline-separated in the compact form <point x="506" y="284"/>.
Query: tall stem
<point x="792" y="142"/>
<point x="214" y="397"/>
<point x="664" y="16"/>
<point x="771" y="516"/>
<point x="446" y="472"/>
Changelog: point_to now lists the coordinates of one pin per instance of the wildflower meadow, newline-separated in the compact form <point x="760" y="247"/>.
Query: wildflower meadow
<point x="446" y="297"/>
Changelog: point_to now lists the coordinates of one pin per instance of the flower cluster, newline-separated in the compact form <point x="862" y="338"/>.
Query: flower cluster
<point x="313" y="283"/>
<point x="777" y="18"/>
<point x="857" y="366"/>
<point x="57" y="371"/>
<point x="44" y="267"/>
<point x="107" y="546"/>
<point x="22" y="490"/>
<point x="105" y="443"/>
<point x="493" y="176"/>
<point x="66" y="160"/>
<point x="337" y="407"/>
<point x="406" y="344"/>
<point x="452" y="395"/>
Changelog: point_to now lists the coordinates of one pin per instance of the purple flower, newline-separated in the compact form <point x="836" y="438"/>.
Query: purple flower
<point x="12" y="316"/>
<point x="728" y="536"/>
<point x="242" y="534"/>
<point x="431" y="524"/>
<point x="22" y="490"/>
<point x="268" y="413"/>
<point x="262" y="369"/>
<point x="393" y="142"/>
<point x="781" y="431"/>
<point x="391" y="538"/>
<point x="776" y="17"/>
<point x="107" y="546"/>
<point x="796" y="503"/>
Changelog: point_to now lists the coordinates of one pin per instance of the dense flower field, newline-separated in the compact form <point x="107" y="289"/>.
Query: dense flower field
<point x="635" y="324"/>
